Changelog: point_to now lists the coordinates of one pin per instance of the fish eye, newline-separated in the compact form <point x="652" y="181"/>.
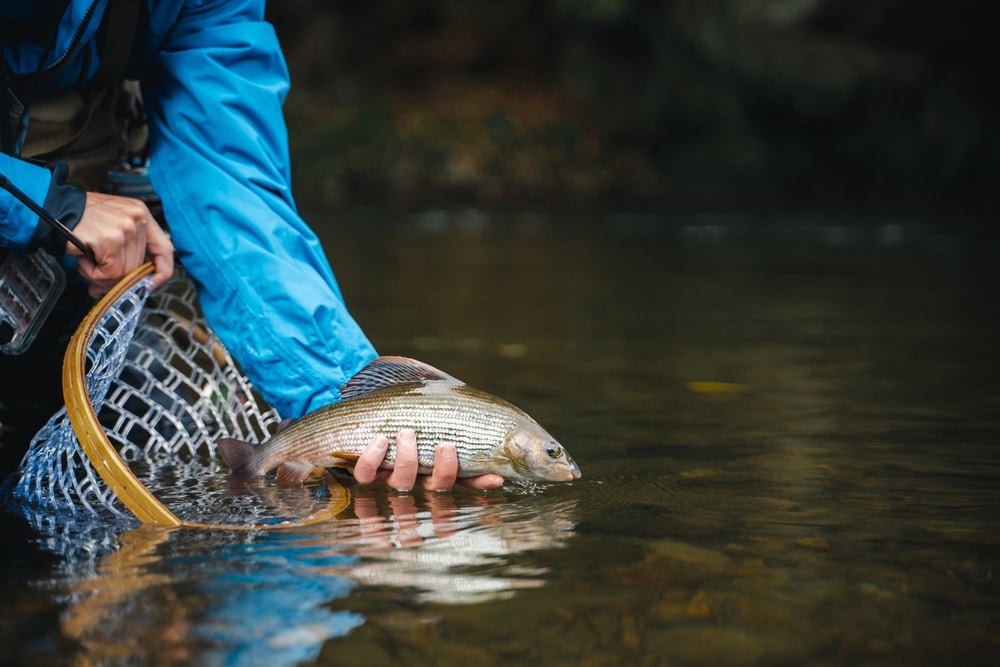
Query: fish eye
<point x="554" y="451"/>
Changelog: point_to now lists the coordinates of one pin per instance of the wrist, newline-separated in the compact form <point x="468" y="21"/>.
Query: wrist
<point x="66" y="204"/>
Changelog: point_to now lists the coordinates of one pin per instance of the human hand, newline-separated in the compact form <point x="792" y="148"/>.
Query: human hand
<point x="121" y="231"/>
<point x="403" y="476"/>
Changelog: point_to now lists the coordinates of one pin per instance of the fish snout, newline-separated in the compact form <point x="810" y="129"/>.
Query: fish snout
<point x="563" y="466"/>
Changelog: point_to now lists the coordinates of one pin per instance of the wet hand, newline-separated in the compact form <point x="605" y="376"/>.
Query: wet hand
<point x="122" y="232"/>
<point x="404" y="477"/>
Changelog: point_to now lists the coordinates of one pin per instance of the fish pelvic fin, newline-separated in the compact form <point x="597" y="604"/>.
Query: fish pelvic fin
<point x="391" y="371"/>
<point x="293" y="473"/>
<point x="238" y="455"/>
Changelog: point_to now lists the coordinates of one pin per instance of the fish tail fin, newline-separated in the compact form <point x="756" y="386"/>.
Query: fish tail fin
<point x="238" y="455"/>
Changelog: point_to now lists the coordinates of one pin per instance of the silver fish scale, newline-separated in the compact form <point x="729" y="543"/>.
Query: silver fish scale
<point x="474" y="421"/>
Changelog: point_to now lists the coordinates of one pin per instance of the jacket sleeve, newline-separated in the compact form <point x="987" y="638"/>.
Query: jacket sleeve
<point x="20" y="229"/>
<point x="220" y="165"/>
<point x="18" y="225"/>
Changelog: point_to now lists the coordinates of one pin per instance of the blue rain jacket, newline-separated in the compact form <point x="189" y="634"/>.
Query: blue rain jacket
<point x="214" y="80"/>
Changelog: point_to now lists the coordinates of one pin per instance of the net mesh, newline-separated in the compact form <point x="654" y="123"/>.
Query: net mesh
<point x="164" y="389"/>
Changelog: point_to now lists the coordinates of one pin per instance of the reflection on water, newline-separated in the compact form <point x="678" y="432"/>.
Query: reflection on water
<point x="263" y="597"/>
<point x="453" y="555"/>
<point x="788" y="433"/>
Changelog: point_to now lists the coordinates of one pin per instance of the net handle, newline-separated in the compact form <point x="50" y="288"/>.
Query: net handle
<point x="105" y="458"/>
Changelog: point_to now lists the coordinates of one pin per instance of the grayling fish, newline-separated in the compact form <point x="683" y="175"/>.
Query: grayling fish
<point x="394" y="393"/>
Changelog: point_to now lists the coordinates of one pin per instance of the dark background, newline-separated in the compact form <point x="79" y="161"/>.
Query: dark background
<point x="874" y="106"/>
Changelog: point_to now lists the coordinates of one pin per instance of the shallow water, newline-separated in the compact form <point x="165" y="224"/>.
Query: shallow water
<point x="788" y="431"/>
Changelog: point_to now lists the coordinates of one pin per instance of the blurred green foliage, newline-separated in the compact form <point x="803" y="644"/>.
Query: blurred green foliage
<point x="691" y="103"/>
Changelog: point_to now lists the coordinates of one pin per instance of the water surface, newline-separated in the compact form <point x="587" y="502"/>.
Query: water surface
<point x="787" y="430"/>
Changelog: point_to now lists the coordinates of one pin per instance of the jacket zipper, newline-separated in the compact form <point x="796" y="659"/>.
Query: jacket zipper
<point x="73" y="43"/>
<point x="22" y="125"/>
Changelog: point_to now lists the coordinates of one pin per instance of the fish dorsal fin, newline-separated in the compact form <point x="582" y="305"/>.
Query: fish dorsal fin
<point x="389" y="372"/>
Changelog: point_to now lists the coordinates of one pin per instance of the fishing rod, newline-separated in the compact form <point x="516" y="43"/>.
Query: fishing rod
<point x="50" y="219"/>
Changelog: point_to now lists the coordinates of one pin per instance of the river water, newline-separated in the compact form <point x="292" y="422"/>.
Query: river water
<point x="788" y="430"/>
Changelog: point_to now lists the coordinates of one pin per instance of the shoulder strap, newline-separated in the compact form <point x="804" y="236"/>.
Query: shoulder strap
<point x="120" y="28"/>
<point x="6" y="130"/>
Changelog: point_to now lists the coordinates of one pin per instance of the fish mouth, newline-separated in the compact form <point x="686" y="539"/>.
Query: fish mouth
<point x="568" y="475"/>
<point x="574" y="471"/>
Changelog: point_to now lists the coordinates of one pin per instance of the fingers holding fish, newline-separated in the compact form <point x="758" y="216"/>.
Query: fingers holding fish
<point x="445" y="471"/>
<point x="444" y="476"/>
<point x="490" y="480"/>
<point x="366" y="469"/>
<point x="403" y="475"/>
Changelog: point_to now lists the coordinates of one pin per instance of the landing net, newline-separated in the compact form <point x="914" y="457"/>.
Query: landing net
<point x="149" y="389"/>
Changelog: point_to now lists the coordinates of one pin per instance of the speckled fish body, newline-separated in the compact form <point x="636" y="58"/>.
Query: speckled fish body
<point x="490" y="435"/>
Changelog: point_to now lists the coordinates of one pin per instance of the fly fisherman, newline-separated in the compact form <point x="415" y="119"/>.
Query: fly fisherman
<point x="213" y="80"/>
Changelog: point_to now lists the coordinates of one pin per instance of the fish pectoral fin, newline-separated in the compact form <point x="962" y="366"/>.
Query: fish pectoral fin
<point x="292" y="473"/>
<point x="345" y="457"/>
<point x="489" y="461"/>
